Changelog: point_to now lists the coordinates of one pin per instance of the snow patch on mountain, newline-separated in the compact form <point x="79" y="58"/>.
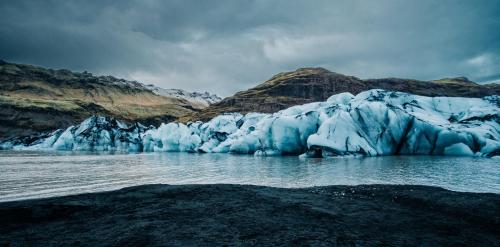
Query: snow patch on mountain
<point x="204" y="99"/>
<point x="374" y="122"/>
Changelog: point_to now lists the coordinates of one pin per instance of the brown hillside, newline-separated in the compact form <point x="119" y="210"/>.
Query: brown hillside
<point x="317" y="84"/>
<point x="37" y="99"/>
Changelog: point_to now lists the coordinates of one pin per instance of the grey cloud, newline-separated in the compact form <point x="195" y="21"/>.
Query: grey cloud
<point x="225" y="46"/>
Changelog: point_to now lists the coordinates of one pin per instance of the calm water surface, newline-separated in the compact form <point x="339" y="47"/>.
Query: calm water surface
<point x="25" y="175"/>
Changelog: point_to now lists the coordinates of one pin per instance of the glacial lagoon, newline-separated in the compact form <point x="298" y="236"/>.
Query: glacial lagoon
<point x="30" y="174"/>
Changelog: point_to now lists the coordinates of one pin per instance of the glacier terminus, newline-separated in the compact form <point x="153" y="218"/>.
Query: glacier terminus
<point x="372" y="123"/>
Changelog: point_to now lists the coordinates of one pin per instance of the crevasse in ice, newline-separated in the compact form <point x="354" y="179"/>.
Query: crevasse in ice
<point x="374" y="122"/>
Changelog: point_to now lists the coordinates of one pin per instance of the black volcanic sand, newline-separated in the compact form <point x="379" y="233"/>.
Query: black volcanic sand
<point x="218" y="215"/>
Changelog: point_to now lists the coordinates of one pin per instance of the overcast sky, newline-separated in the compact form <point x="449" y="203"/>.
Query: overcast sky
<point x="224" y="46"/>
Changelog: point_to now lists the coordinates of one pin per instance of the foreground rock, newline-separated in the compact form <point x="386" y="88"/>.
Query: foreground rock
<point x="368" y="215"/>
<point x="374" y="122"/>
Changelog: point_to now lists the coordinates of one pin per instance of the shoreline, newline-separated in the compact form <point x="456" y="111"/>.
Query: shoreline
<point x="219" y="214"/>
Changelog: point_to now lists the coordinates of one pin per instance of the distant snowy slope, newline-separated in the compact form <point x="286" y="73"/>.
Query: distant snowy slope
<point x="202" y="99"/>
<point x="374" y="122"/>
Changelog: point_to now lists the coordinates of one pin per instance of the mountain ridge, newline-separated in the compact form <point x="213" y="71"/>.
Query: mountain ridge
<point x="34" y="99"/>
<point x="306" y="85"/>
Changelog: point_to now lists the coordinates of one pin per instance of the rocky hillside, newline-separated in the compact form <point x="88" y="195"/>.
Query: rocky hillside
<point x="34" y="99"/>
<point x="317" y="84"/>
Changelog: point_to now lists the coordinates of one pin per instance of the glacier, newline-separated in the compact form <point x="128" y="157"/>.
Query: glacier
<point x="372" y="123"/>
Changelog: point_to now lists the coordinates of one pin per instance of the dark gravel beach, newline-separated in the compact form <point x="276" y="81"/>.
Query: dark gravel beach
<point x="215" y="215"/>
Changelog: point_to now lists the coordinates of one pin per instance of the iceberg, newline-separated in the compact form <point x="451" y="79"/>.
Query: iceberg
<point x="372" y="123"/>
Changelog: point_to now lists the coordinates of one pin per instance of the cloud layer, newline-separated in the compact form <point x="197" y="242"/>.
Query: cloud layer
<point x="224" y="46"/>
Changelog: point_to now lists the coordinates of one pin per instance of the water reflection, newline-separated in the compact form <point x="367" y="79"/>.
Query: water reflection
<point x="37" y="174"/>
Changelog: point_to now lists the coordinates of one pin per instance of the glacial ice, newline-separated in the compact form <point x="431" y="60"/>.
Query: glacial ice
<point x="374" y="122"/>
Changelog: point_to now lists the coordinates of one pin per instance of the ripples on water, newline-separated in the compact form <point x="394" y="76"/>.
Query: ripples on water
<point x="26" y="175"/>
